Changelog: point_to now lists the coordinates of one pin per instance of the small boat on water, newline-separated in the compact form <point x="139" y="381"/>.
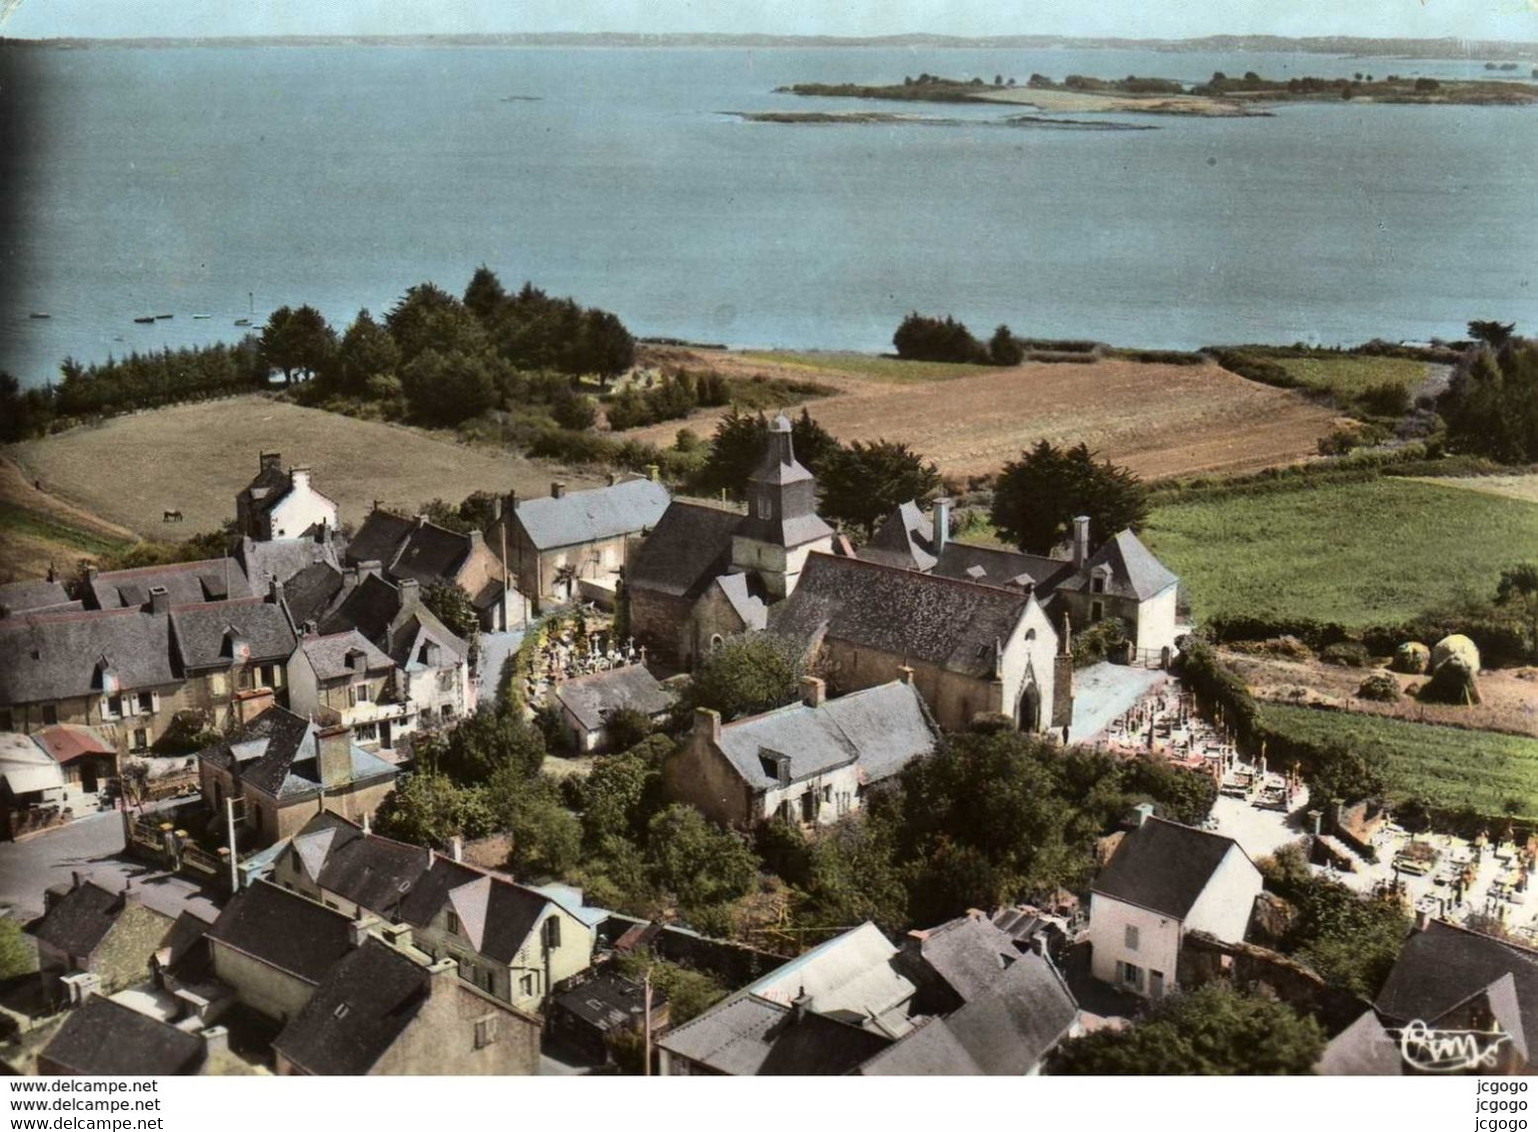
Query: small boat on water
<point x="39" y="314"/>
<point x="200" y="316"/>
<point x="242" y="322"/>
<point x="145" y="319"/>
<point x="165" y="316"/>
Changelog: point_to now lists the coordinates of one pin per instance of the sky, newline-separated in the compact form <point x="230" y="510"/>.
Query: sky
<point x="1162" y="19"/>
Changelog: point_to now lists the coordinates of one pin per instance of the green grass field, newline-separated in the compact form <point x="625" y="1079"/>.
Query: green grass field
<point x="19" y="521"/>
<point x="1378" y="552"/>
<point x="1348" y="375"/>
<point x="1488" y="772"/>
<point x="870" y="365"/>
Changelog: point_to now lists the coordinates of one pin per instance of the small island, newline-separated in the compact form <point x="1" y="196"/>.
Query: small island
<point x="1220" y="97"/>
<point x="878" y="118"/>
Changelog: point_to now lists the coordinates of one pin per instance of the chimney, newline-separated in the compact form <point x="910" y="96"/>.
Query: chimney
<point x="75" y="879"/>
<point x="90" y="572"/>
<point x="277" y="592"/>
<point x="613" y="478"/>
<point x="941" y="519"/>
<point x="477" y="540"/>
<point x="445" y="977"/>
<point x="905" y="673"/>
<point x="558" y="489"/>
<point x="358" y="930"/>
<point x="367" y="823"/>
<point x="1144" y="811"/>
<point x="333" y="751"/>
<point x="457" y="849"/>
<point x="160" y="599"/>
<point x="800" y="1005"/>
<point x="271" y="461"/>
<point x="249" y="705"/>
<point x="299" y="479"/>
<point x="1080" y="540"/>
<point x="216" y="1042"/>
<point x="653" y="472"/>
<point x="411" y="593"/>
<point x="398" y="935"/>
<point x="708" y="724"/>
<point x="813" y="691"/>
<point x="422" y="521"/>
<point x="496" y="509"/>
<point x="372" y="567"/>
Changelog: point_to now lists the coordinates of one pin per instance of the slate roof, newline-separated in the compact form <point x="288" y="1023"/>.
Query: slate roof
<point x="993" y="566"/>
<point x="309" y="593"/>
<point x="1163" y="866"/>
<point x="104" y="1038"/>
<point x="608" y="1001"/>
<point x="54" y="656"/>
<point x="283" y="930"/>
<point x="589" y="516"/>
<point x="1444" y="966"/>
<point x="81" y="919"/>
<point x="279" y="559"/>
<point x="1134" y="571"/>
<point x="429" y="554"/>
<point x="495" y="915"/>
<point x="1362" y="1049"/>
<point x="268" y="487"/>
<point x="205" y="633"/>
<point x="371" y="871"/>
<point x="881" y="728"/>
<point x="746" y="599"/>
<point x="690" y="546"/>
<point x="406" y="636"/>
<point x="905" y="539"/>
<point x="971" y="955"/>
<point x="369" y="607"/>
<point x="29" y="596"/>
<point x="851" y="976"/>
<point x="277" y="753"/>
<point x="590" y="698"/>
<point x="379" y="537"/>
<point x="950" y="624"/>
<point x="365" y="1003"/>
<point x="931" y="1050"/>
<point x="1021" y="1018"/>
<point x="187" y="583"/>
<point x="330" y="656"/>
<point x="750" y="1036"/>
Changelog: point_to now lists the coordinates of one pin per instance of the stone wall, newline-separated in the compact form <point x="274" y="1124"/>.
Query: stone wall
<point x="1204" y="958"/>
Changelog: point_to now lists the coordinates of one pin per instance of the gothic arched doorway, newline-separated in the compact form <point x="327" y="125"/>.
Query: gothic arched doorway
<point x="1028" y="714"/>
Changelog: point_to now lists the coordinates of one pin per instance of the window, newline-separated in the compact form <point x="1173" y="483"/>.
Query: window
<point x="552" y="930"/>
<point x="764" y="510"/>
<point x="146" y="702"/>
<point x="114" y="707"/>
<point x="809" y="806"/>
<point x="716" y="641"/>
<point x="489" y="980"/>
<point x="1097" y="584"/>
<point x="216" y="683"/>
<point x="446" y="680"/>
<point x="1129" y="975"/>
<point x="447" y="711"/>
<point x="1156" y="984"/>
<point x="452" y="924"/>
<point x="8" y="724"/>
<point x="247" y="680"/>
<point x="267" y="676"/>
<point x="358" y="694"/>
<point x="827" y="794"/>
<point x="485" y="1032"/>
<point x="1097" y="610"/>
<point x="141" y="738"/>
<point x="526" y="986"/>
<point x="50" y="716"/>
<point x="366" y="733"/>
<point x="1131" y="937"/>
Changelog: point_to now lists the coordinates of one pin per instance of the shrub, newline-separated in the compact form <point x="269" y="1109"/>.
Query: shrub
<point x="1381" y="687"/>
<point x="1385" y="399"/>
<point x="1346" y="654"/>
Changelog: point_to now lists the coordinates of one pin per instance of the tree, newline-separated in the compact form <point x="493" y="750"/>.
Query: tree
<point x="445" y="389"/>
<point x="428" y="809"/>
<point x="367" y="351"/>
<point x="699" y="863"/>
<point x="298" y="341"/>
<point x="546" y="836"/>
<point x="1004" y="348"/>
<point x="1215" y="1030"/>
<point x="449" y="603"/>
<point x="16" y="957"/>
<point x="920" y="338"/>
<point x="484" y="296"/>
<point x="1345" y="770"/>
<point x="620" y="796"/>
<point x="429" y="318"/>
<point x="747" y="675"/>
<point x="1038" y="496"/>
<point x="1351" y="941"/>
<point x="853" y="874"/>
<point x="1518" y="591"/>
<point x="1491" y="403"/>
<point x="815" y="446"/>
<point x="1491" y="332"/>
<point x="625" y="727"/>
<point x="574" y="411"/>
<point x="735" y="451"/>
<point x="486" y="743"/>
<point x="23" y="413"/>
<point x="863" y="483"/>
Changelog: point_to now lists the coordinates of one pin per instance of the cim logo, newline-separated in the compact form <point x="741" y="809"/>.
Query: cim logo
<point x="1449" y="1051"/>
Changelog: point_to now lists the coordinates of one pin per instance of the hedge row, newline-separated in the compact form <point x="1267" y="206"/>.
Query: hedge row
<point x="1499" y="645"/>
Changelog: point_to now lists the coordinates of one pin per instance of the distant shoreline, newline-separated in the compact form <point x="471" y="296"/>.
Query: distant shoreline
<point x="1346" y="46"/>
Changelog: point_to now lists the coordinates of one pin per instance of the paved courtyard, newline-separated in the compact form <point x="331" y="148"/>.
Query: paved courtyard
<point x="93" y="847"/>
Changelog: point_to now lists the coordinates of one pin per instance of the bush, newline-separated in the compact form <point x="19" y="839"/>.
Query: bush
<point x="1386" y="399"/>
<point x="1346" y="654"/>
<point x="1380" y="687"/>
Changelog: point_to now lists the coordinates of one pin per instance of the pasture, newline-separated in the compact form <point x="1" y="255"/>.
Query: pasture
<point x="1345" y="376"/>
<point x="1377" y="552"/>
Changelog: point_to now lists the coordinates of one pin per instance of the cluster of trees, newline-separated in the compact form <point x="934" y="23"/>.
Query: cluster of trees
<point x="1491" y="403"/>
<point x="675" y="396"/>
<point x="926" y="339"/>
<point x="860" y="483"/>
<point x="1037" y="497"/>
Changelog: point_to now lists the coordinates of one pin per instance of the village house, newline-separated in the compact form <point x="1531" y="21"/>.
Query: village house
<point x="43" y="595"/>
<point x="588" y="1016"/>
<point x="225" y="648"/>
<point x="109" y="937"/>
<point x="278" y="560"/>
<point x="281" y="504"/>
<point x="957" y="999"/>
<point x="1120" y="579"/>
<point x="29" y="778"/>
<point x="103" y="1038"/>
<point x="86" y="760"/>
<point x="1163" y="881"/>
<point x="285" y="768"/>
<point x="1451" y="978"/>
<point x="417" y="550"/>
<point x="109" y="670"/>
<point x="384" y="1008"/>
<point x="575" y="541"/>
<point x="974" y="650"/>
<point x="343" y="678"/>
<point x="706" y="573"/>
<point x="809" y="763"/>
<point x="509" y="940"/>
<point x="587" y="702"/>
<point x="180" y="583"/>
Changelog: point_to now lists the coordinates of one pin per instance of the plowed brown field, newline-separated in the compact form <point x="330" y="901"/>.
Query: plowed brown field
<point x="1159" y="420"/>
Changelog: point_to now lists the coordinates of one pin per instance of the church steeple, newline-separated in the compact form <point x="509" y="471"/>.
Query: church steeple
<point x="782" y="516"/>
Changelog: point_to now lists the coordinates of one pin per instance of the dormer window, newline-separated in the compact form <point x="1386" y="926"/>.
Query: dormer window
<point x="765" y="510"/>
<point x="1097" y="585"/>
<point x="452" y="924"/>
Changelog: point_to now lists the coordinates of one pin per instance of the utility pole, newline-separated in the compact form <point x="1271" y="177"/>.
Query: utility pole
<point x="229" y="820"/>
<point x="647" y="1021"/>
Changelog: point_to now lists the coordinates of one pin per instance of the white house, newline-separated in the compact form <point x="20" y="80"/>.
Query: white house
<point x="1165" y="880"/>
<point x="283" y="504"/>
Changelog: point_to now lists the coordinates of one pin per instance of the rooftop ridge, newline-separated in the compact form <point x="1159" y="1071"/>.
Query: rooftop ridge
<point x="244" y="602"/>
<point x="169" y="567"/>
<point x="992" y="593"/>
